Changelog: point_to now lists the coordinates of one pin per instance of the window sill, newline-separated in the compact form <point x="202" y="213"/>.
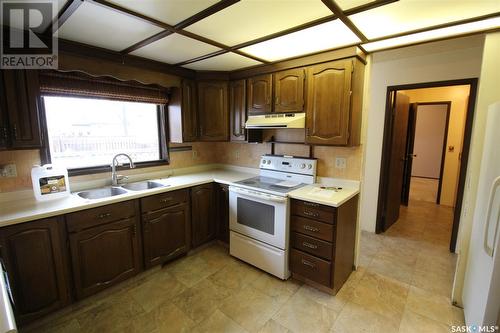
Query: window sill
<point x="107" y="168"/>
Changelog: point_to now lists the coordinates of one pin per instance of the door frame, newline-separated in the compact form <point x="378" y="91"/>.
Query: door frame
<point x="445" y="140"/>
<point x="387" y="136"/>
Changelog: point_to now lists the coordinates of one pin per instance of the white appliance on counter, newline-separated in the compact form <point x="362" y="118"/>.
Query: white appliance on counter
<point x="481" y="294"/>
<point x="259" y="212"/>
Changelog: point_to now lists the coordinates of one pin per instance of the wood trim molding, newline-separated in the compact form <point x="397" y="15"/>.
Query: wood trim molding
<point x="332" y="5"/>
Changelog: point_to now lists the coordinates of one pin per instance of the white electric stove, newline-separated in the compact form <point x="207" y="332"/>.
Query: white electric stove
<point x="259" y="212"/>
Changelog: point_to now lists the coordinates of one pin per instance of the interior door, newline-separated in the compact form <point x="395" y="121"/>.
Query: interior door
<point x="400" y="115"/>
<point x="410" y="141"/>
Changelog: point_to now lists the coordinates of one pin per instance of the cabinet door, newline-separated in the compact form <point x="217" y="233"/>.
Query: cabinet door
<point x="166" y="234"/>
<point x="189" y="111"/>
<point x="213" y="111"/>
<point x="259" y="94"/>
<point x="104" y="255"/>
<point x="21" y="94"/>
<point x="237" y="110"/>
<point x="289" y="90"/>
<point x="328" y="103"/>
<point x="33" y="255"/>
<point x="4" y="126"/>
<point x="202" y="214"/>
<point x="222" y="215"/>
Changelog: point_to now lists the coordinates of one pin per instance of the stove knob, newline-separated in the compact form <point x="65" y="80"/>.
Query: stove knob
<point x="309" y="166"/>
<point x="302" y="166"/>
<point x="268" y="161"/>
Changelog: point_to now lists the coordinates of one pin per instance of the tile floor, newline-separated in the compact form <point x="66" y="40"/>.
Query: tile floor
<point x="402" y="285"/>
<point x="424" y="189"/>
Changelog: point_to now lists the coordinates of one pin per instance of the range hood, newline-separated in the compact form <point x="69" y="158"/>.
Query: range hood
<point x="277" y="120"/>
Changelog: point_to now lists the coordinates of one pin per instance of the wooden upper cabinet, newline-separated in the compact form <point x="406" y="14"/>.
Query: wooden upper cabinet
<point x="289" y="90"/>
<point x="213" y="111"/>
<point x="237" y="110"/>
<point x="33" y="257"/>
<point x="328" y="112"/>
<point x="4" y="126"/>
<point x="182" y="113"/>
<point x="22" y="103"/>
<point x="259" y="94"/>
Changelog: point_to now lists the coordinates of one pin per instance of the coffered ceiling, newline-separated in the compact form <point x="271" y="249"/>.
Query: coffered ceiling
<point x="233" y="34"/>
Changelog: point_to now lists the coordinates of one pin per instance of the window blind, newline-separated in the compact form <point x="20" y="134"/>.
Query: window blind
<point x="84" y="85"/>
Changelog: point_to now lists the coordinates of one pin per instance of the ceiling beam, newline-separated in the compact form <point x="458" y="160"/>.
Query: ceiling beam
<point x="439" y="26"/>
<point x="66" y="11"/>
<point x="332" y="5"/>
<point x="179" y="26"/>
<point x="223" y="4"/>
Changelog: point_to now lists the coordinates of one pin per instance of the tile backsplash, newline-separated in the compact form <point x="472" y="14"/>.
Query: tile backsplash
<point x="240" y="154"/>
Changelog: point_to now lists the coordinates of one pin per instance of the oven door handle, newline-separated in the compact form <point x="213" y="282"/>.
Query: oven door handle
<point x="252" y="194"/>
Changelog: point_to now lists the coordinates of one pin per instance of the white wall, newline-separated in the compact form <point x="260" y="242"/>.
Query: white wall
<point x="445" y="60"/>
<point x="488" y="93"/>
<point x="430" y="129"/>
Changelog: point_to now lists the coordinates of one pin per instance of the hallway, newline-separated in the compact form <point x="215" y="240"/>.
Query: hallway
<point x="414" y="251"/>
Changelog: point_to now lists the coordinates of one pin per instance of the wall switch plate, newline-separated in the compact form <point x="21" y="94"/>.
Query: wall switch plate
<point x="8" y="170"/>
<point x="340" y="162"/>
<point x="195" y="154"/>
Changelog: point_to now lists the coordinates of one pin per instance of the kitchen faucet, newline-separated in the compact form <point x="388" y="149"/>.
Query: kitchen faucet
<point x="114" y="163"/>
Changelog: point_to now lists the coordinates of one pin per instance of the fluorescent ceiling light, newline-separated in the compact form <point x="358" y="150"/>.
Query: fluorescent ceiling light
<point x="455" y="30"/>
<point x="318" y="38"/>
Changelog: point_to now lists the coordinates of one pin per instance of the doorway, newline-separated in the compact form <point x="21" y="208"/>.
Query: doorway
<point x="399" y="150"/>
<point x="426" y="151"/>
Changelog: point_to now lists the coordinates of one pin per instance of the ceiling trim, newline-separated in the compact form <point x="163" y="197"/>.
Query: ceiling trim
<point x="66" y="11"/>
<point x="336" y="10"/>
<point x="203" y="57"/>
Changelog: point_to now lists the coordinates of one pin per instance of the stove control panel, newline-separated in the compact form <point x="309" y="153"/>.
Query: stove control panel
<point x="303" y="166"/>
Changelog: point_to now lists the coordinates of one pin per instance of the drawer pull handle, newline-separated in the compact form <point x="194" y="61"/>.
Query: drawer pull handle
<point x="309" y="245"/>
<point x="310" y="204"/>
<point x="308" y="263"/>
<point x="307" y="213"/>
<point x="309" y="228"/>
<point x="166" y="200"/>
<point x="103" y="215"/>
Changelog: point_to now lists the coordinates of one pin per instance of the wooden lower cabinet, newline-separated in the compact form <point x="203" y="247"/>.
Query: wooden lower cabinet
<point x="322" y="244"/>
<point x="166" y="234"/>
<point x="34" y="258"/>
<point x="106" y="254"/>
<point x="202" y="214"/>
<point x="222" y="214"/>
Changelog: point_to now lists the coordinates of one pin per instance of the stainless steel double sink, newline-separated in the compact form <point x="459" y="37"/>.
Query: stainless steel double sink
<point x="111" y="191"/>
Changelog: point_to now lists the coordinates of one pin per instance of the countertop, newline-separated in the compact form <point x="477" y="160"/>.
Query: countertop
<point x="23" y="209"/>
<point x="18" y="211"/>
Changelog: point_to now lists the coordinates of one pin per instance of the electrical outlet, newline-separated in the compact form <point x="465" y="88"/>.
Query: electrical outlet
<point x="340" y="162"/>
<point x="8" y="170"/>
<point x="237" y="154"/>
<point x="195" y="154"/>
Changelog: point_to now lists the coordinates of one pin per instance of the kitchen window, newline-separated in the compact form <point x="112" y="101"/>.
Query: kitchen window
<point x="89" y="120"/>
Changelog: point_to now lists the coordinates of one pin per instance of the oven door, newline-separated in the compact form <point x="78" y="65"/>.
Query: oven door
<point x="259" y="215"/>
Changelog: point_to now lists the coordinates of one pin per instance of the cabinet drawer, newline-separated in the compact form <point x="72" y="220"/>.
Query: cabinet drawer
<point x="100" y="215"/>
<point x="312" y="246"/>
<point x="310" y="267"/>
<point x="163" y="200"/>
<point x="313" y="210"/>
<point x="312" y="228"/>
